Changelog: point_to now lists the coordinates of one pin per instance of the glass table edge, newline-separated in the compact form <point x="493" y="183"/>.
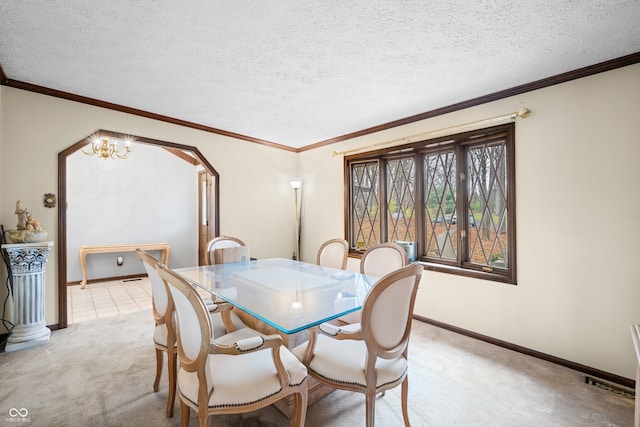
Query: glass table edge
<point x="269" y="322"/>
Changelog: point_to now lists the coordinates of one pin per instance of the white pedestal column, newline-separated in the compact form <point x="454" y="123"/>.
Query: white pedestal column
<point x="28" y="264"/>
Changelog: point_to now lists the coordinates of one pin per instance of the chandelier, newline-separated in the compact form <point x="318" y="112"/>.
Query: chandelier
<point x="109" y="148"/>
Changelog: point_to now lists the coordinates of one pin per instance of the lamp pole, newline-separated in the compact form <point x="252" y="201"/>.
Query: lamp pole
<point x="296" y="184"/>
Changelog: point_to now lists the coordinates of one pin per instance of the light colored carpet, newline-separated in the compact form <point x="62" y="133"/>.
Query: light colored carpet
<point x="100" y="373"/>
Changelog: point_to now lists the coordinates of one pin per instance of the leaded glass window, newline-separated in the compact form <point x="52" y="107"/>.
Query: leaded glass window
<point x="452" y="197"/>
<point x="365" y="218"/>
<point x="401" y="199"/>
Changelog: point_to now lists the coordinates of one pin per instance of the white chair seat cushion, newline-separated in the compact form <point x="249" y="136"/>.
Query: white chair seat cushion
<point x="216" y="319"/>
<point x="218" y="325"/>
<point x="344" y="303"/>
<point x="353" y="317"/>
<point x="349" y="368"/>
<point x="237" y="335"/>
<point x="241" y="379"/>
<point x="352" y="327"/>
<point x="160" y="335"/>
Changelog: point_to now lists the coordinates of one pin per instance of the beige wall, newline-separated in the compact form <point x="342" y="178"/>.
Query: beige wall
<point x="577" y="207"/>
<point x="256" y="198"/>
<point x="130" y="201"/>
<point x="578" y="223"/>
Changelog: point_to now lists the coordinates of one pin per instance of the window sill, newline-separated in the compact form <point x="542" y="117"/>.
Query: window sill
<point x="476" y="274"/>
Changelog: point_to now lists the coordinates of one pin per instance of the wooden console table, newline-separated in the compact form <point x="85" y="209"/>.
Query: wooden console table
<point x="102" y="249"/>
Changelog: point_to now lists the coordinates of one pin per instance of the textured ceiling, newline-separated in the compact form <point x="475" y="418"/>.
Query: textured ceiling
<point x="300" y="72"/>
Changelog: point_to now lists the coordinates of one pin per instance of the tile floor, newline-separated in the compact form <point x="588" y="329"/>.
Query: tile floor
<point x="105" y="299"/>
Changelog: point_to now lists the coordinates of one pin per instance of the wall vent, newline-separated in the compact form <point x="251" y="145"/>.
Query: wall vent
<point x="613" y="388"/>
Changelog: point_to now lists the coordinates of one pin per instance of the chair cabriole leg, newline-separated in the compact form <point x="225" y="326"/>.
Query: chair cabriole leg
<point x="184" y="414"/>
<point x="405" y="394"/>
<point x="156" y="382"/>
<point x="172" y="365"/>
<point x="370" y="407"/>
<point x="299" y="416"/>
<point x="202" y="415"/>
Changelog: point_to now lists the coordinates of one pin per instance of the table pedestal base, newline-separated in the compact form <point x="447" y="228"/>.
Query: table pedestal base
<point x="315" y="389"/>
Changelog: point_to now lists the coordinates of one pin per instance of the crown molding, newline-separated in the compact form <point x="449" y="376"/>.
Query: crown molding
<point x="137" y="112"/>
<point x="517" y="90"/>
<point x="601" y="67"/>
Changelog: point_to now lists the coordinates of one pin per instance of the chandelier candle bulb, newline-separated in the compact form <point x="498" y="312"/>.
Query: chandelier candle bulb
<point x="108" y="148"/>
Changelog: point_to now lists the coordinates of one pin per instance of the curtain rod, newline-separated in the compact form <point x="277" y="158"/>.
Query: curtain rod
<point x="524" y="113"/>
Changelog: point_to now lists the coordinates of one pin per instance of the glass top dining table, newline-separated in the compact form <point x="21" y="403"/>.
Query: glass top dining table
<point x="289" y="295"/>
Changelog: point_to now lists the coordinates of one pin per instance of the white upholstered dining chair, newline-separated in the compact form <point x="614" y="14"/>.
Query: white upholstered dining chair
<point x="333" y="253"/>
<point x="226" y="249"/>
<point x="377" y="350"/>
<point x="164" y="334"/>
<point x="383" y="258"/>
<point x="218" y="243"/>
<point x="232" y="373"/>
<point x="378" y="260"/>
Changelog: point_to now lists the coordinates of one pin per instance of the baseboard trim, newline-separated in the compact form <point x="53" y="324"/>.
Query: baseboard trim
<point x="627" y="382"/>
<point x="108" y="279"/>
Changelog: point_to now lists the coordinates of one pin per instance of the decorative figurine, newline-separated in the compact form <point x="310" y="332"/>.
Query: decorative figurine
<point x="22" y="216"/>
<point x="28" y="229"/>
<point x="32" y="224"/>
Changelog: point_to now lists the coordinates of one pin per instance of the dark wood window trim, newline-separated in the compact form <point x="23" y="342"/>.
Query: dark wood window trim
<point x="461" y="263"/>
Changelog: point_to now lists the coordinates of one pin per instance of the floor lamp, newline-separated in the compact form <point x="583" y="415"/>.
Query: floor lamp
<point x="296" y="185"/>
